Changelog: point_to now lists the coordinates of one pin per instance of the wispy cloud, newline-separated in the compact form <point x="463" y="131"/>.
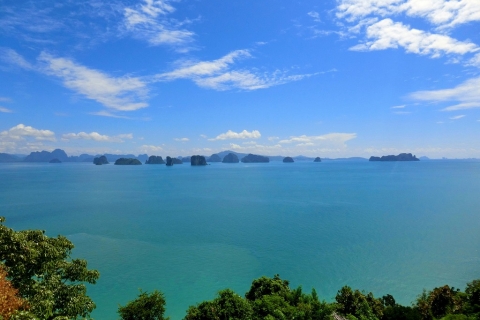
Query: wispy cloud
<point x="399" y="107"/>
<point x="457" y="117"/>
<point x="441" y="13"/>
<point x="148" y="21"/>
<point x="466" y="95"/>
<point x="330" y="138"/>
<point x="116" y="93"/>
<point x="22" y="132"/>
<point x="5" y="110"/>
<point x="219" y="74"/>
<point x="387" y="34"/>
<point x="95" y="136"/>
<point x="254" y="134"/>
<point x="315" y="15"/>
<point x="150" y="148"/>
<point x="12" y="57"/>
<point x="181" y="139"/>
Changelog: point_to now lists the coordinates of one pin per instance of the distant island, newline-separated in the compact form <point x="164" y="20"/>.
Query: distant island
<point x="230" y="158"/>
<point x="214" y="158"/>
<point x="128" y="161"/>
<point x="198" y="161"/>
<point x="154" y="160"/>
<point x="55" y="160"/>
<point x="288" y="160"/>
<point x="100" y="160"/>
<point x="400" y="157"/>
<point x="317" y="159"/>
<point x="254" y="158"/>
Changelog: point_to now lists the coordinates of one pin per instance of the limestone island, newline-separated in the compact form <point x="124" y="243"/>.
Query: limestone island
<point x="317" y="159"/>
<point x="100" y="160"/>
<point x="214" y="158"/>
<point x="198" y="161"/>
<point x="230" y="158"/>
<point x="55" y="160"/>
<point x="288" y="160"/>
<point x="177" y="161"/>
<point x="154" y="160"/>
<point x="128" y="161"/>
<point x="400" y="157"/>
<point x="253" y="158"/>
<point x="171" y="161"/>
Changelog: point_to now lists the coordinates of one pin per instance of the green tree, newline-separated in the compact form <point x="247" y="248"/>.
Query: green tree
<point x="41" y="269"/>
<point x="145" y="307"/>
<point x="228" y="305"/>
<point x="473" y="296"/>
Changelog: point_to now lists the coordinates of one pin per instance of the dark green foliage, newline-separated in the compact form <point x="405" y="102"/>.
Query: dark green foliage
<point x="267" y="286"/>
<point x="145" y="307"/>
<point x="127" y="161"/>
<point x="359" y="305"/>
<point x="41" y="269"/>
<point x="472" y="292"/>
<point x="228" y="305"/>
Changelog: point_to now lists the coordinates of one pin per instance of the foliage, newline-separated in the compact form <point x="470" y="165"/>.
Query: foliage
<point x="41" y="269"/>
<point x="10" y="302"/>
<point x="145" y="307"/>
<point x="227" y="305"/>
<point x="358" y="304"/>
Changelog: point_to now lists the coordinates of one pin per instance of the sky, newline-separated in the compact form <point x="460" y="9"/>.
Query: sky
<point x="333" y="78"/>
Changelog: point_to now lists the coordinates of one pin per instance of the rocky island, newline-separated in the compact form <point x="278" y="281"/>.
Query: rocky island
<point x="127" y="161"/>
<point x="400" y="157"/>
<point x="317" y="159"/>
<point x="214" y="158"/>
<point x="288" y="160"/>
<point x="55" y="161"/>
<point x="154" y="160"/>
<point x="254" y="158"/>
<point x="230" y="158"/>
<point x="100" y="160"/>
<point x="198" y="161"/>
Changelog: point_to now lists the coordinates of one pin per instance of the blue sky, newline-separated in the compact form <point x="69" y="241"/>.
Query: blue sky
<point x="317" y="78"/>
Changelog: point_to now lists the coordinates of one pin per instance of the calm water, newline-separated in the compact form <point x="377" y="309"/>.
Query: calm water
<point x="190" y="231"/>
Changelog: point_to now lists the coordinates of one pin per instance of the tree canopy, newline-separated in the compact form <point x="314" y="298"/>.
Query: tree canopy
<point x="40" y="268"/>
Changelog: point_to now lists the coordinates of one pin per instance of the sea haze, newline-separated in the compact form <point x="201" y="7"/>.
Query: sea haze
<point x="389" y="227"/>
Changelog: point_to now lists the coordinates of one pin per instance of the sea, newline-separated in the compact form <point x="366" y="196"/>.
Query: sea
<point x="381" y="227"/>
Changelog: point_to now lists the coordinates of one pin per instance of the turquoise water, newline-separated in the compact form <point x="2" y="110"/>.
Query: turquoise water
<point x="388" y="227"/>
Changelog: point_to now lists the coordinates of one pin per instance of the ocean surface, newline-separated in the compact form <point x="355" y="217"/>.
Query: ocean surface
<point x="385" y="227"/>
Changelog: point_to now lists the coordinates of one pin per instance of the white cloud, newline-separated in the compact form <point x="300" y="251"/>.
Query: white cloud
<point x="104" y="113"/>
<point x="5" y="110"/>
<point x="330" y="137"/>
<point x="315" y="15"/>
<point x="190" y="69"/>
<point x="441" y="13"/>
<point x="204" y="136"/>
<point x="475" y="61"/>
<point x="387" y="34"/>
<point x="399" y="107"/>
<point x="457" y="117"/>
<point x="254" y="134"/>
<point x="115" y="93"/>
<point x="5" y="99"/>
<point x="21" y="132"/>
<point x="182" y="139"/>
<point x="218" y="74"/>
<point x="273" y="138"/>
<point x="147" y="21"/>
<point x="11" y="56"/>
<point x="466" y="95"/>
<point x="150" y="148"/>
<point x="95" y="136"/>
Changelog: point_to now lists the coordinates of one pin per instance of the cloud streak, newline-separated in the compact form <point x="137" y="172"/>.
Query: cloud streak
<point x="466" y="95"/>
<point x="229" y="135"/>
<point x="219" y="74"/>
<point x="95" y="136"/>
<point x="387" y="34"/>
<point x="147" y="21"/>
<point x="115" y="93"/>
